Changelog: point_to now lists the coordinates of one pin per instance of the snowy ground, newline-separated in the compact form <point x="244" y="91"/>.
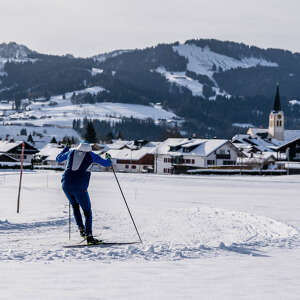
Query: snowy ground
<point x="204" y="238"/>
<point x="63" y="112"/>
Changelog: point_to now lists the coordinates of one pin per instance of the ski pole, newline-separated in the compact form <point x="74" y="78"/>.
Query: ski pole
<point x="126" y="204"/>
<point x="21" y="175"/>
<point x="69" y="220"/>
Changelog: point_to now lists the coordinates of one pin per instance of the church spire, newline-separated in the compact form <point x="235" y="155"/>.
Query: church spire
<point x="277" y="106"/>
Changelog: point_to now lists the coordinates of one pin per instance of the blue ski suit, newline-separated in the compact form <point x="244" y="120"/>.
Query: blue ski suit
<point x="75" y="182"/>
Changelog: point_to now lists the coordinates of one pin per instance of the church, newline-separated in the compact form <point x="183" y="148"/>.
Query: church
<point x="283" y="143"/>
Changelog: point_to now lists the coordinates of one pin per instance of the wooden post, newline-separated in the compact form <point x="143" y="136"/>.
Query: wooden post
<point x="21" y="175"/>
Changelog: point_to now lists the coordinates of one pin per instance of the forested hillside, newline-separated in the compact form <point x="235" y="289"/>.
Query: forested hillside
<point x="211" y="84"/>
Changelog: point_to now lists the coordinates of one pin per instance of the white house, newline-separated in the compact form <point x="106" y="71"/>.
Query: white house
<point x="48" y="154"/>
<point x="134" y="157"/>
<point x="178" y="155"/>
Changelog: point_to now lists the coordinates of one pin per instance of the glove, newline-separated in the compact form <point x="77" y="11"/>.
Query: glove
<point x="107" y="156"/>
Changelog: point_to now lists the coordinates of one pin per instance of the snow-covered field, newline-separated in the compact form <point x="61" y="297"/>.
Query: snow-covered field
<point x="206" y="237"/>
<point x="55" y="117"/>
<point x="61" y="112"/>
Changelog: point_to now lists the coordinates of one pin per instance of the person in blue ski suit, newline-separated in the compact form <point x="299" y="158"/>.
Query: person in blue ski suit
<point x="75" y="181"/>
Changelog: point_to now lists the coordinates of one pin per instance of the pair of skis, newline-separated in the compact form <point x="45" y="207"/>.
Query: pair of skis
<point x="101" y="244"/>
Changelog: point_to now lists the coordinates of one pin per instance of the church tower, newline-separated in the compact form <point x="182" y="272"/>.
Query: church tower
<point x="276" y="119"/>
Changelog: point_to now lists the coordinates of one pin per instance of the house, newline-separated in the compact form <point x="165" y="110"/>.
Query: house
<point x="136" y="157"/>
<point x="289" y="151"/>
<point x="13" y="150"/>
<point x="179" y="155"/>
<point x="47" y="155"/>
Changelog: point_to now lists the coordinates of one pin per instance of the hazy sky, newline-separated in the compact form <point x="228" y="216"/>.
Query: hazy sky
<point x="88" y="27"/>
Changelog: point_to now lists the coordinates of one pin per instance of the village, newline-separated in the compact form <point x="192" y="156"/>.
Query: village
<point x="274" y="150"/>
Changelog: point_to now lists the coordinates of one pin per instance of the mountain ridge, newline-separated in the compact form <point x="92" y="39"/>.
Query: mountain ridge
<point x="205" y="81"/>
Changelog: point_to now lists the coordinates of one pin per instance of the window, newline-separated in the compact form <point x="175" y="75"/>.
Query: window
<point x="211" y="162"/>
<point x="228" y="162"/>
<point x="193" y="161"/>
<point x="187" y="161"/>
<point x="126" y="166"/>
<point x="133" y="167"/>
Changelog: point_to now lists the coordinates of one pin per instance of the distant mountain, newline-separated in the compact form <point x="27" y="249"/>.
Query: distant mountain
<point x="212" y="84"/>
<point x="15" y="51"/>
<point x="103" y="57"/>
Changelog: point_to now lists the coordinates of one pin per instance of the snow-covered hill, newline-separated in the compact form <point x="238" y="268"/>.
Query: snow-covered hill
<point x="55" y="116"/>
<point x="13" y="52"/>
<point x="103" y="57"/>
<point x="203" y="61"/>
<point x="61" y="112"/>
<point x="206" y="62"/>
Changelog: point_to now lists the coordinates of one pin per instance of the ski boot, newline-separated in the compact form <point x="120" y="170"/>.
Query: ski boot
<point x="92" y="241"/>
<point x="82" y="232"/>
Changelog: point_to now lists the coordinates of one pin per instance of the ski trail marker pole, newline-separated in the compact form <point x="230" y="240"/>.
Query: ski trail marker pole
<point x="21" y="175"/>
<point x="126" y="204"/>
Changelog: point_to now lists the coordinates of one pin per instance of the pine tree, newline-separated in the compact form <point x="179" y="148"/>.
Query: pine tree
<point x="90" y="134"/>
<point x="53" y="140"/>
<point x="23" y="131"/>
<point x="30" y="139"/>
<point x="120" y="135"/>
<point x="109" y="137"/>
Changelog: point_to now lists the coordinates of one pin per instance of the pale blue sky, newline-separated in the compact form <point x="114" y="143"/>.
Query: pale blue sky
<point x="88" y="27"/>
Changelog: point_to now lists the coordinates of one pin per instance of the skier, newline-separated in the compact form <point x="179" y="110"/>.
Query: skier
<point x="75" y="182"/>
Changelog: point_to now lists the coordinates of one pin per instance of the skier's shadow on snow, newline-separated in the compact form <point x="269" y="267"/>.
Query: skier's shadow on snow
<point x="243" y="250"/>
<point x="5" y="225"/>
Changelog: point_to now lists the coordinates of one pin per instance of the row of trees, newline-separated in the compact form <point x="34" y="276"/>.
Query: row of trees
<point x="128" y="128"/>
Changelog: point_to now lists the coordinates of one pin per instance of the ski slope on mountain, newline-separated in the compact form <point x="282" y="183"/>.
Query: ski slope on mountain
<point x="210" y="236"/>
<point x="203" y="60"/>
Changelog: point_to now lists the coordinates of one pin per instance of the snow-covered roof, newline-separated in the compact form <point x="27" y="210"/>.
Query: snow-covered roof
<point x="255" y="131"/>
<point x="282" y="145"/>
<point x="50" y="151"/>
<point x="128" y="154"/>
<point x="164" y="147"/>
<point x="256" y="141"/>
<point x="202" y="147"/>
<point x="208" y="146"/>
<point x="6" y="146"/>
<point x="289" y="135"/>
<point x="118" y="144"/>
